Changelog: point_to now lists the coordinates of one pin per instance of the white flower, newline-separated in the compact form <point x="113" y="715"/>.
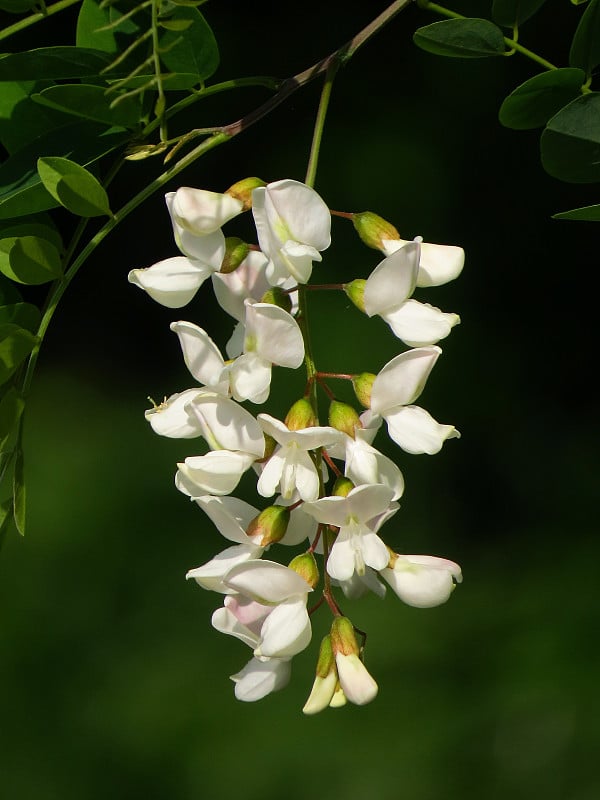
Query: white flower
<point x="422" y="581"/>
<point x="290" y="467"/>
<point x="387" y="291"/>
<point x="202" y="357"/>
<point x="174" y="281"/>
<point x="359" y="516"/>
<point x="170" y="418"/>
<point x="260" y="677"/>
<point x="439" y="263"/>
<point x="357" y="683"/>
<point x="217" y="472"/>
<point x="201" y="212"/>
<point x="366" y="465"/>
<point x="248" y="281"/>
<point x="396" y="386"/>
<point x="293" y="225"/>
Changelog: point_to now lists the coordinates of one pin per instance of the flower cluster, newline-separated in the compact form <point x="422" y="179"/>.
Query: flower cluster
<point x="332" y="490"/>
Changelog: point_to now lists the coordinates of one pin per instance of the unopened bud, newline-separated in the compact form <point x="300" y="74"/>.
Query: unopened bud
<point x="306" y="566"/>
<point x="326" y="680"/>
<point x="362" y="385"/>
<point x="277" y="297"/>
<point x="270" y="525"/>
<point x="270" y="445"/>
<point x="355" y="291"/>
<point x="342" y="487"/>
<point x="343" y="638"/>
<point x="301" y="415"/>
<point x="236" y="251"/>
<point x="343" y="417"/>
<point x="373" y="229"/>
<point x="242" y="190"/>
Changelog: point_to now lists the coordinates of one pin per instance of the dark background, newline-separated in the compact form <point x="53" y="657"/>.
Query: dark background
<point x="112" y="681"/>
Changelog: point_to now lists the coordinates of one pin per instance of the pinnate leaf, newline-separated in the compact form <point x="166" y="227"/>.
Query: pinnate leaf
<point x="29" y="259"/>
<point x="585" y="48"/>
<point x="91" y="102"/>
<point x="532" y="103"/>
<point x="583" y="214"/>
<point x="53" y="63"/>
<point x="570" y="144"/>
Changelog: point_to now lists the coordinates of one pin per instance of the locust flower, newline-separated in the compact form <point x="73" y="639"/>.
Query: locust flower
<point x="358" y="516"/>
<point x="356" y="682"/>
<point x="387" y="292"/>
<point x="439" y="263"/>
<point x="395" y="388"/>
<point x="200" y="212"/>
<point x="293" y="225"/>
<point x="422" y="581"/>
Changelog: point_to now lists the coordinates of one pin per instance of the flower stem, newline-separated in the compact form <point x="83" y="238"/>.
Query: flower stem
<point x="315" y="148"/>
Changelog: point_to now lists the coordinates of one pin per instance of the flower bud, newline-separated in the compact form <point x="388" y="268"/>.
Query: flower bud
<point x="355" y="291"/>
<point x="373" y="229"/>
<point x="306" y="566"/>
<point x="342" y="487"/>
<point x="277" y="297"/>
<point x="242" y="190"/>
<point x="343" y="417"/>
<point x="270" y="445"/>
<point x="326" y="680"/>
<point x="236" y="251"/>
<point x="343" y="639"/>
<point x="355" y="680"/>
<point x="362" y="385"/>
<point x="271" y="525"/>
<point x="301" y="415"/>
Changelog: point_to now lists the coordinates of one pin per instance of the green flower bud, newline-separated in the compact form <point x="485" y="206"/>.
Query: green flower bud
<point x="362" y="385"/>
<point x="373" y="229"/>
<point x="242" y="190"/>
<point x="301" y="415"/>
<point x="236" y="251"/>
<point x="271" y="525"/>
<point x="277" y="297"/>
<point x="355" y="290"/>
<point x="342" y="487"/>
<point x="343" y="417"/>
<point x="270" y="445"/>
<point x="326" y="680"/>
<point x="306" y="566"/>
<point x="343" y="639"/>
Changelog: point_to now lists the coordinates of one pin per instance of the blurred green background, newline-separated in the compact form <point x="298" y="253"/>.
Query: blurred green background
<point x="113" y="683"/>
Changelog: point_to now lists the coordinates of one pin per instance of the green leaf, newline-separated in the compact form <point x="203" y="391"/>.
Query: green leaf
<point x="583" y="214"/>
<point x="532" y="103"/>
<point x="514" y="12"/>
<point x="175" y="24"/>
<point x="33" y="228"/>
<point x="73" y="186"/>
<point x="21" y="120"/>
<point x="15" y="345"/>
<point x="91" y="102"/>
<point x="19" y="493"/>
<point x="17" y="6"/>
<point x="91" y="18"/>
<point x="585" y="48"/>
<point x="29" y="259"/>
<point x="53" y="63"/>
<point x="193" y="50"/>
<point x="461" y="38"/>
<point x="570" y="144"/>
<point x="25" y="315"/>
<point x="11" y="408"/>
<point x="21" y="189"/>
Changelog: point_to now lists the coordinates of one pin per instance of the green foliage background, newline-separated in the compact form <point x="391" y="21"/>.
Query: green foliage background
<point x="112" y="681"/>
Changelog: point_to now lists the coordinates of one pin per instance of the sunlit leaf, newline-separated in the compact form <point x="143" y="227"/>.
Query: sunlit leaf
<point x="29" y="260"/>
<point x="461" y="38"/>
<point x="91" y="102"/>
<point x="73" y="186"/>
<point x="194" y="50"/>
<point x="25" y="315"/>
<point x="36" y="225"/>
<point x="15" y="345"/>
<point x="583" y="214"/>
<point x="532" y="103"/>
<point x="21" y="189"/>
<point x="91" y="18"/>
<point x="570" y="144"/>
<point x="11" y="408"/>
<point x="585" y="48"/>
<point x="514" y="12"/>
<point x="53" y="63"/>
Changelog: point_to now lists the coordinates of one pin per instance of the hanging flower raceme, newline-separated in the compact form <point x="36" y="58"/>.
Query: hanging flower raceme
<point x="325" y="489"/>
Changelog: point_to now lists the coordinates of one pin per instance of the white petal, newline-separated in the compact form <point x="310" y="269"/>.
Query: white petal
<point x="230" y="515"/>
<point x="321" y="694"/>
<point x="328" y="510"/>
<point x="202" y="212"/>
<point x="218" y="472"/>
<point x="374" y="552"/>
<point x="403" y="378"/>
<point x="366" y="502"/>
<point x="392" y="281"/>
<point x="271" y="475"/>
<point x="171" y="419"/>
<point x="422" y="581"/>
<point x="250" y="378"/>
<point x="286" y="631"/>
<point x="227" y="425"/>
<point x="278" y="338"/>
<point x="439" y="263"/>
<point x="420" y="323"/>
<point x="210" y="575"/>
<point x="416" y="431"/>
<point x="358" y="585"/>
<point x="298" y="259"/>
<point x="341" y="562"/>
<point x="306" y="477"/>
<point x="305" y="213"/>
<point x="259" y="678"/>
<point x="172" y="282"/>
<point x="226" y="622"/>
<point x="201" y="355"/>
<point x="235" y="343"/>
<point x="248" y="281"/>
<point x="366" y="465"/>
<point x="358" y="685"/>
<point x="266" y="581"/>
